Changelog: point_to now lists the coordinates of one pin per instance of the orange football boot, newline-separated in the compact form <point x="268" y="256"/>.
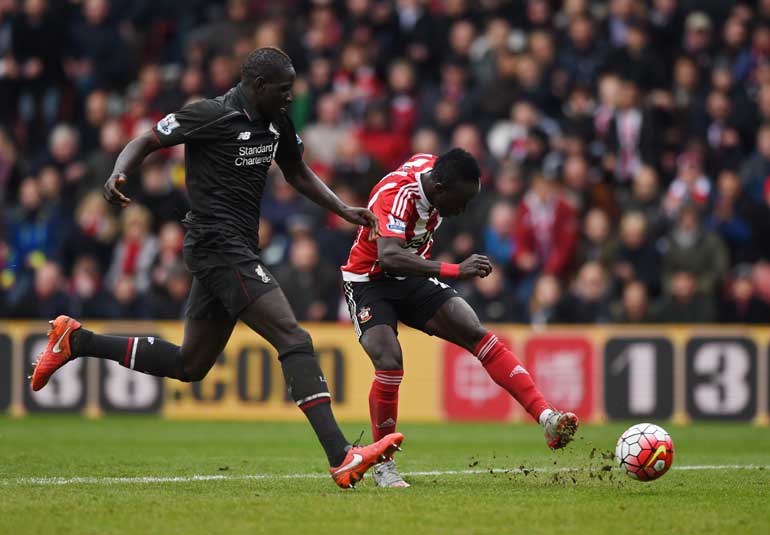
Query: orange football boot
<point x="360" y="458"/>
<point x="57" y="353"/>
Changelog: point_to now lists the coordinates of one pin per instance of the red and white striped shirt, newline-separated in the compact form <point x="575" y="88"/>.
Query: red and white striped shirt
<point x="400" y="204"/>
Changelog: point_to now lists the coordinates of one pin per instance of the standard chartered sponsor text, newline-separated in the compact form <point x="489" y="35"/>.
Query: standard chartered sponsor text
<point x="261" y="154"/>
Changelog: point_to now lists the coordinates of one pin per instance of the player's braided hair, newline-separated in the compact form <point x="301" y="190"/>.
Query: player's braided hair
<point x="265" y="62"/>
<point x="456" y="165"/>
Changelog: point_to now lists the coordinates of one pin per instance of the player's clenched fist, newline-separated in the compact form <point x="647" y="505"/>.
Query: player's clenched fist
<point x="112" y="190"/>
<point x="476" y="265"/>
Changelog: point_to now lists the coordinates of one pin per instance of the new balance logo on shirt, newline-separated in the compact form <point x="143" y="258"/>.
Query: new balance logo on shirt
<point x="245" y="136"/>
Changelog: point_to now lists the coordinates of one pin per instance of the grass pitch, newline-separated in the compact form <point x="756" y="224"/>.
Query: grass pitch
<point x="137" y="475"/>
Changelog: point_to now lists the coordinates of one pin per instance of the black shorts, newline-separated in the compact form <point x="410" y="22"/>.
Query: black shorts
<point x="228" y="275"/>
<point x="413" y="301"/>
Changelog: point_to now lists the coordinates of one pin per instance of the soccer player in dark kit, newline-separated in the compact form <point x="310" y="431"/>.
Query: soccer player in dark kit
<point x="230" y="142"/>
<point x="392" y="279"/>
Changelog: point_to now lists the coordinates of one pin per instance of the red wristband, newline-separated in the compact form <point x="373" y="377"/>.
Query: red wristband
<point x="449" y="271"/>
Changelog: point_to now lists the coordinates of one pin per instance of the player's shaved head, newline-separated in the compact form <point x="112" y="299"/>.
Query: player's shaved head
<point x="267" y="78"/>
<point x="453" y="182"/>
<point x="267" y="63"/>
<point x="456" y="165"/>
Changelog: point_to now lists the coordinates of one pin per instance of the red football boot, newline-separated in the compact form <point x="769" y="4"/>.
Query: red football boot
<point x="57" y="353"/>
<point x="360" y="458"/>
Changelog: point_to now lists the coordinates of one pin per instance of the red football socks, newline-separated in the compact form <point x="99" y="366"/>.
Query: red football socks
<point x="506" y="370"/>
<point x="383" y="402"/>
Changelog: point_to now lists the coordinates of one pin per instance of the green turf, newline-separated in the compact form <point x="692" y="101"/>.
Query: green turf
<point x="713" y="501"/>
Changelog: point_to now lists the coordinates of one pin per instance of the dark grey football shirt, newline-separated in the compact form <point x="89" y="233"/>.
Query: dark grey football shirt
<point x="228" y="151"/>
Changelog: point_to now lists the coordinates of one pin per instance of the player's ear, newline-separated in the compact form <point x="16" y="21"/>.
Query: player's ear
<point x="258" y="84"/>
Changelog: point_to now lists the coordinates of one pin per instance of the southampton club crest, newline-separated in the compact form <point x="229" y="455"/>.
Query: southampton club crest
<point x="365" y="314"/>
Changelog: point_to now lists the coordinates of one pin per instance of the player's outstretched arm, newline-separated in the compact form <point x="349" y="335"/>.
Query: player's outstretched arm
<point x="304" y="180"/>
<point x="129" y="159"/>
<point x="395" y="259"/>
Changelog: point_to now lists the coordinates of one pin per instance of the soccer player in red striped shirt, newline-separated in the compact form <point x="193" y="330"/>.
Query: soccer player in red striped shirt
<point x="393" y="279"/>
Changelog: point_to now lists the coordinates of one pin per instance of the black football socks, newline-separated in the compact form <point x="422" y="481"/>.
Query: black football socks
<point x="145" y="354"/>
<point x="307" y="387"/>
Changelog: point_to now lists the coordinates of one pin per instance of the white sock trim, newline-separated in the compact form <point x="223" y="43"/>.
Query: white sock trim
<point x="543" y="418"/>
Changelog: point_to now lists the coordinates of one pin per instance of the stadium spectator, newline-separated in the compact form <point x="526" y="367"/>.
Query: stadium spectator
<point x="597" y="243"/>
<point x="634" y="306"/>
<point x="64" y="154"/>
<point x="168" y="301"/>
<point x="634" y="59"/>
<point x="335" y="237"/>
<point x="632" y="138"/>
<point x="492" y="298"/>
<point x="100" y="58"/>
<point x="742" y="304"/>
<point x="93" y="233"/>
<point x="10" y="173"/>
<point x="311" y="287"/>
<point x="95" y="115"/>
<point x="39" y="67"/>
<point x="684" y="303"/>
<point x="733" y="216"/>
<point x="130" y="303"/>
<point x="698" y="39"/>
<point x="45" y="298"/>
<point x="164" y="202"/>
<point x="323" y="136"/>
<point x="283" y="201"/>
<point x="584" y="56"/>
<point x="31" y="231"/>
<point x="89" y="298"/>
<point x="219" y="37"/>
<point x="542" y="308"/>
<point x="695" y="250"/>
<point x="545" y="231"/>
<point x="644" y="197"/>
<point x="387" y="146"/>
<point x="133" y="255"/>
<point x="355" y="168"/>
<point x="638" y="257"/>
<point x="272" y="246"/>
<point x="100" y="161"/>
<point x="498" y="239"/>
<point x="170" y="243"/>
<point x="588" y="300"/>
<point x="498" y="95"/>
<point x="757" y="167"/>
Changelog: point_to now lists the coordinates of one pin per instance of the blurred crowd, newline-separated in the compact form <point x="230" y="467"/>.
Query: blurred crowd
<point x="625" y="148"/>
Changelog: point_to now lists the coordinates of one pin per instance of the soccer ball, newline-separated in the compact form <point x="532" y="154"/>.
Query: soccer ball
<point x="645" y="452"/>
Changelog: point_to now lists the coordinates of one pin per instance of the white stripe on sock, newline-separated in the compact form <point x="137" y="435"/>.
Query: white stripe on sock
<point x="489" y="345"/>
<point x="133" y="353"/>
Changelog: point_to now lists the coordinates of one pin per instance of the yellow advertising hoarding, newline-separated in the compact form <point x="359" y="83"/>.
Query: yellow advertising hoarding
<point x="704" y="372"/>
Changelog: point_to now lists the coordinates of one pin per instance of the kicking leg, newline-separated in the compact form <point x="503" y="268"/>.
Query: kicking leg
<point x="457" y="322"/>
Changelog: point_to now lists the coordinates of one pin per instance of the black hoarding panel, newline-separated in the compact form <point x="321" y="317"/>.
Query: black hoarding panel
<point x="6" y="355"/>
<point x="638" y="378"/>
<point x="721" y="378"/>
